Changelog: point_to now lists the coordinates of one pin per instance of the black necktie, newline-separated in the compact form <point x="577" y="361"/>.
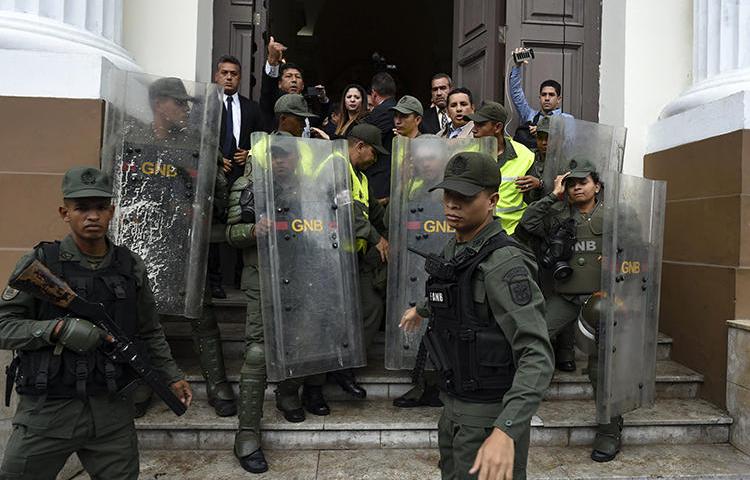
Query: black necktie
<point x="229" y="145"/>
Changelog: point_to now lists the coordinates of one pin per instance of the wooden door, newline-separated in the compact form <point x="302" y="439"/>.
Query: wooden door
<point x="477" y="57"/>
<point x="566" y="38"/>
<point x="239" y="29"/>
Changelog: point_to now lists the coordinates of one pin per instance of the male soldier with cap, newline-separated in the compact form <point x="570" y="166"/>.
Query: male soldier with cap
<point x="407" y="116"/>
<point x="169" y="130"/>
<point x="290" y="111"/>
<point x="58" y="415"/>
<point x="573" y="212"/>
<point x="372" y="246"/>
<point x="482" y="287"/>
<point x="514" y="161"/>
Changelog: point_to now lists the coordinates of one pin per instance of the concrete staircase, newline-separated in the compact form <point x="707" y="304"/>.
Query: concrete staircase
<point x="680" y="437"/>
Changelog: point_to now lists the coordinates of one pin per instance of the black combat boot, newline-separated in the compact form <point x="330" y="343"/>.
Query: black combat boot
<point x="608" y="440"/>
<point x="313" y="400"/>
<point x="348" y="383"/>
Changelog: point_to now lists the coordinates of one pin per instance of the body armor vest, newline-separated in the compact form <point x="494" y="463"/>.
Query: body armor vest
<point x="467" y="346"/>
<point x="68" y="374"/>
<point x="586" y="261"/>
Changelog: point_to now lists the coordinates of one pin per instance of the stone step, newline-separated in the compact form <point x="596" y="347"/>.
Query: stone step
<point x="673" y="380"/>
<point x="377" y="424"/>
<point x="672" y="462"/>
<point x="233" y="339"/>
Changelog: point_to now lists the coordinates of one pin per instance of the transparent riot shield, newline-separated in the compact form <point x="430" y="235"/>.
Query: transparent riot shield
<point x="631" y="273"/>
<point x="416" y="221"/>
<point x="306" y="249"/>
<point x="160" y="144"/>
<point x="603" y="145"/>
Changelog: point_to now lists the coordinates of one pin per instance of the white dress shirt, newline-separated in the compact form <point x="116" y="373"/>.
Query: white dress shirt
<point x="236" y="114"/>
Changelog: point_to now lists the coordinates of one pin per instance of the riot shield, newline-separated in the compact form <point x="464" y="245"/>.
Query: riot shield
<point x="308" y="264"/>
<point x="160" y="144"/>
<point x="631" y="273"/>
<point x="603" y="145"/>
<point x="416" y="221"/>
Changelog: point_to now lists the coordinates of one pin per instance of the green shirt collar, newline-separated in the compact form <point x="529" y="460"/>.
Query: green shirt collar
<point x="476" y="243"/>
<point x="69" y="252"/>
<point x="508" y="154"/>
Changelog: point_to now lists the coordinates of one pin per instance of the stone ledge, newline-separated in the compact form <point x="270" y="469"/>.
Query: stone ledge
<point x="739" y="324"/>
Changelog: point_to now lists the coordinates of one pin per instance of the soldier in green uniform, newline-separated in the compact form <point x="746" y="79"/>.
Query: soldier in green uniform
<point x="169" y="140"/>
<point x="68" y="388"/>
<point x="291" y="111"/>
<point x="364" y="144"/>
<point x="487" y="336"/>
<point x="569" y="221"/>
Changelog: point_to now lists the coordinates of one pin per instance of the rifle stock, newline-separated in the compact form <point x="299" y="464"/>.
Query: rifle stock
<point x="34" y="278"/>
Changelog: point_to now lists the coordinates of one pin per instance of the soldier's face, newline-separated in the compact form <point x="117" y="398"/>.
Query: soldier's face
<point x="467" y="213"/>
<point x="459" y="106"/>
<point x="406" y="125"/>
<point x="430" y="166"/>
<point x="486" y="129"/>
<point x="291" y="81"/>
<point x="88" y="218"/>
<point x="363" y="155"/>
<point x="284" y="164"/>
<point x="228" y="76"/>
<point x="172" y="111"/>
<point x="291" y="124"/>
<point x="541" y="142"/>
<point x="439" y="89"/>
<point x="581" y="190"/>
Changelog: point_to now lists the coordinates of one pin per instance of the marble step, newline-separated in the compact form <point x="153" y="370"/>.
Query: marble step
<point x="673" y="380"/>
<point x="233" y="340"/>
<point x="669" y="462"/>
<point x="377" y="424"/>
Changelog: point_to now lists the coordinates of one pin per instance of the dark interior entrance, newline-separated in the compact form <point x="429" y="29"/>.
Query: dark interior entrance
<point x="338" y="42"/>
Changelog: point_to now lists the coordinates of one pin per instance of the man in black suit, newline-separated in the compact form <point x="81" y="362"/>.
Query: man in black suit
<point x="239" y="118"/>
<point x="436" y="117"/>
<point x="383" y="93"/>
<point x="245" y="118"/>
<point x="279" y="78"/>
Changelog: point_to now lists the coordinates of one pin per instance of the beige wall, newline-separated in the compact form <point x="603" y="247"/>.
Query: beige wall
<point x="706" y="270"/>
<point x="170" y="37"/>
<point x="646" y="62"/>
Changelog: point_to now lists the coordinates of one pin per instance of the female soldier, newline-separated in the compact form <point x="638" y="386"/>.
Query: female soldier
<point x="569" y="223"/>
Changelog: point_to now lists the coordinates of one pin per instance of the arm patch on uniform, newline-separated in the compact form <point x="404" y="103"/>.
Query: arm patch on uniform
<point x="519" y="285"/>
<point x="9" y="294"/>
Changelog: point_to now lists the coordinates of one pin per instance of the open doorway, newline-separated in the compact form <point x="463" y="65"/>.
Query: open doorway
<point x="338" y="42"/>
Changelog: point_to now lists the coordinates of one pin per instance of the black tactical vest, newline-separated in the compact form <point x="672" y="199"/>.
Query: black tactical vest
<point x="69" y="374"/>
<point x="467" y="346"/>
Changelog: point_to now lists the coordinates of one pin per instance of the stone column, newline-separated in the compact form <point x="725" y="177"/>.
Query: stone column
<point x="701" y="147"/>
<point x="56" y="47"/>
<point x="721" y="53"/>
<point x="738" y="383"/>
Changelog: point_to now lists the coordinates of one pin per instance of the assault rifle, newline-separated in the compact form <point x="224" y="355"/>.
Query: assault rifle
<point x="36" y="279"/>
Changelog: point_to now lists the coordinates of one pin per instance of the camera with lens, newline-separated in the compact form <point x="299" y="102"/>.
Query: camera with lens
<point x="561" y="245"/>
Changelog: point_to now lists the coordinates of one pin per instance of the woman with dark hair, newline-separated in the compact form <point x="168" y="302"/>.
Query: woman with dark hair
<point x="352" y="110"/>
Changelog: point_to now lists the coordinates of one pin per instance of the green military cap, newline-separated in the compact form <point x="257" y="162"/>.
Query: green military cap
<point x="468" y="173"/>
<point x="169" y="87"/>
<point x="543" y="125"/>
<point x="580" y="168"/>
<point x="489" y="112"/>
<point x="293" y="104"/>
<point x="81" y="182"/>
<point x="408" y="104"/>
<point x="370" y="134"/>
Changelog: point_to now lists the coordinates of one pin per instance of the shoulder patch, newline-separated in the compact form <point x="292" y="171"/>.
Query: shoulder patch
<point x="519" y="285"/>
<point x="9" y="294"/>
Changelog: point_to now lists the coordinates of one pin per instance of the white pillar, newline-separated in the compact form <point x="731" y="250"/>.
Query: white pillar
<point x="718" y="102"/>
<point x="721" y="53"/>
<point x="67" y="44"/>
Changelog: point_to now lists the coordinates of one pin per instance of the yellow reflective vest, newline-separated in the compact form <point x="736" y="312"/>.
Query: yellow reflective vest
<point x="510" y="206"/>
<point x="361" y="194"/>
